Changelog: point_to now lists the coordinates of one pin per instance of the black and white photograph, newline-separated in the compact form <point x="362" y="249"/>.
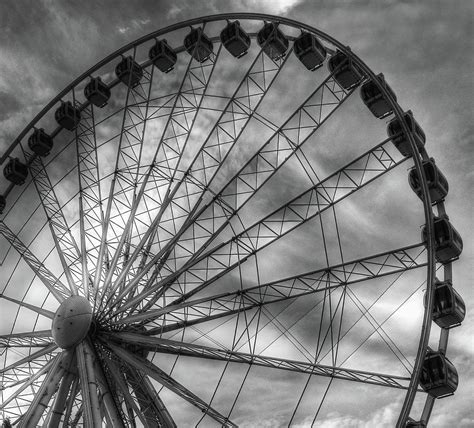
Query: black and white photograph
<point x="247" y="213"/>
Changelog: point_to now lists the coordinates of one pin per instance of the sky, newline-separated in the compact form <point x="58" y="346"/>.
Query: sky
<point x="424" y="49"/>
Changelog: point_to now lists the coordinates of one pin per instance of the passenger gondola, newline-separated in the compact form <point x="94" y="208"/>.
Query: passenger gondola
<point x="198" y="45"/>
<point x="97" y="92"/>
<point x="67" y="115"/>
<point x="400" y="140"/>
<point x="129" y="72"/>
<point x="15" y="171"/>
<point x="439" y="377"/>
<point x="448" y="241"/>
<point x="273" y="42"/>
<point x="449" y="309"/>
<point x="309" y="50"/>
<point x="162" y="56"/>
<point x="40" y="142"/>
<point x="375" y="100"/>
<point x="235" y="39"/>
<point x="437" y="183"/>
<point x="344" y="71"/>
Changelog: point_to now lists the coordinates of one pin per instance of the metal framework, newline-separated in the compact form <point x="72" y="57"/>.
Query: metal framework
<point x="208" y="218"/>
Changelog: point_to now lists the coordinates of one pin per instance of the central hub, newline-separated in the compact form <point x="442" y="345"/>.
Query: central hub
<point x="72" y="322"/>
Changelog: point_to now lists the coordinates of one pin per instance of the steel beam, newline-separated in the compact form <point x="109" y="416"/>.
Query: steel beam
<point x="34" y="308"/>
<point x="31" y="339"/>
<point x="49" y="386"/>
<point x="320" y="280"/>
<point x="147" y="367"/>
<point x="151" y="405"/>
<point x="169" y="151"/>
<point x="309" y="204"/>
<point x="181" y="348"/>
<point x="66" y="246"/>
<point x="60" y="403"/>
<point x="253" y="175"/>
<point x="29" y="358"/>
<point x="118" y="378"/>
<point x="20" y="392"/>
<point x="53" y="284"/>
<point x="108" y="397"/>
<point x="70" y="402"/>
<point x="89" y="388"/>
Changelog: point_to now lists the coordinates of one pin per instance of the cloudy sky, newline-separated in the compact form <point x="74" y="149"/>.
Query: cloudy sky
<point x="424" y="49"/>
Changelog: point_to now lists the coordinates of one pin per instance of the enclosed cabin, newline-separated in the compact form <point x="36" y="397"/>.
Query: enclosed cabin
<point x="3" y="203"/>
<point x="439" y="377"/>
<point x="15" y="171"/>
<point x="129" y="72"/>
<point x="344" y="71"/>
<point x="309" y="50"/>
<point x="272" y="41"/>
<point x="400" y="140"/>
<point x="374" y="99"/>
<point x="448" y="241"/>
<point x="67" y="115"/>
<point x="198" y="45"/>
<point x="163" y="56"/>
<point x="448" y="309"/>
<point x="40" y="142"/>
<point x="97" y="92"/>
<point x="437" y="183"/>
<point x="235" y="39"/>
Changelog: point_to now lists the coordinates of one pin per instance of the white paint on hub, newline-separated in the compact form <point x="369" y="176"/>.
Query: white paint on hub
<point x="72" y="322"/>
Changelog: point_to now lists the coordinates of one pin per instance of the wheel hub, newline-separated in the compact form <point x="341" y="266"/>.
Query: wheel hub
<point x="72" y="322"/>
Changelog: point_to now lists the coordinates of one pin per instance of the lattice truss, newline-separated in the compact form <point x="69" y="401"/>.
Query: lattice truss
<point x="184" y="212"/>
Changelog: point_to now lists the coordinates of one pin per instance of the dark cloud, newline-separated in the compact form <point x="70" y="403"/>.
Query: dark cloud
<point x="9" y="105"/>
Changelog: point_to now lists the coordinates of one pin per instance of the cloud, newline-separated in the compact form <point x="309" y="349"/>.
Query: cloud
<point x="272" y="6"/>
<point x="380" y="417"/>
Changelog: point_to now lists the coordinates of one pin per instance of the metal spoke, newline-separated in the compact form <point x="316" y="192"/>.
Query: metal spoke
<point x="53" y="284"/>
<point x="129" y="151"/>
<point x="108" y="396"/>
<point x="122" y="385"/>
<point x="199" y="273"/>
<point x="66" y="246"/>
<point x="321" y="280"/>
<point x="60" y="403"/>
<point x="304" y="207"/>
<point x="34" y="308"/>
<point x="145" y="366"/>
<point x="40" y="338"/>
<point x="49" y="386"/>
<point x="254" y="174"/>
<point x="160" y="175"/>
<point x="70" y="402"/>
<point x="188" y="191"/>
<point x="89" y="390"/>
<point x="150" y="403"/>
<point x="284" y="143"/>
<point x="19" y="372"/>
<point x="91" y="215"/>
<point x="192" y="350"/>
<point x="19" y="402"/>
<point x="30" y="358"/>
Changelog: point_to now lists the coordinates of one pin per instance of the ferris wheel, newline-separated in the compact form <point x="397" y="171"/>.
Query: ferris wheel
<point x="226" y="222"/>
